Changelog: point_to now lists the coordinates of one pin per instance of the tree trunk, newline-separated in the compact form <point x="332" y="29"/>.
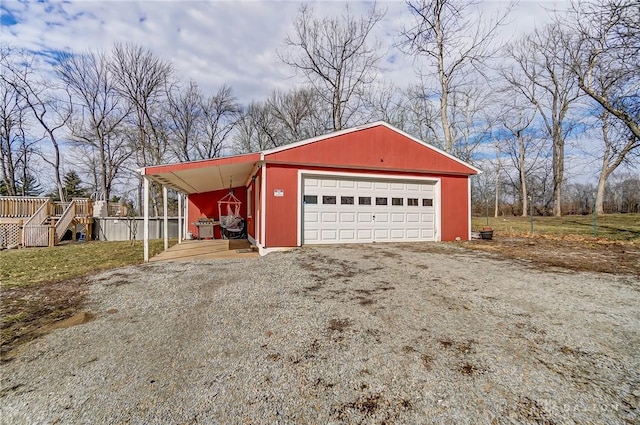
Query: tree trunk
<point x="523" y="179"/>
<point x="558" y="174"/>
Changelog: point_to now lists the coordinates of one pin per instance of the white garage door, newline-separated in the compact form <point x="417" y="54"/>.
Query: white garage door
<point x="339" y="210"/>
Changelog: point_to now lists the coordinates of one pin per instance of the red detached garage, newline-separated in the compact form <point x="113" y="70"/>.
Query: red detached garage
<point x="372" y="183"/>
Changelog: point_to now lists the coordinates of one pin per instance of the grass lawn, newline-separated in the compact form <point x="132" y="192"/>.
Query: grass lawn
<point x="618" y="227"/>
<point x="36" y="265"/>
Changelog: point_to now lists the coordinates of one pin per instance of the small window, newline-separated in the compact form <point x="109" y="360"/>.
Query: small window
<point x="381" y="201"/>
<point x="397" y="201"/>
<point x="412" y="202"/>
<point x="364" y="200"/>
<point x="311" y="199"/>
<point x="427" y="202"/>
<point x="346" y="200"/>
<point x="329" y="200"/>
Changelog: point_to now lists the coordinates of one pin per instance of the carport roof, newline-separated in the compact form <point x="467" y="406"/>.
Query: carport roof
<point x="206" y="175"/>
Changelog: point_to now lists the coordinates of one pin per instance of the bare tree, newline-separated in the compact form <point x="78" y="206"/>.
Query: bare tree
<point x="619" y="144"/>
<point x="184" y="108"/>
<point x="455" y="38"/>
<point x="15" y="147"/>
<point x="473" y="118"/>
<point x="47" y="106"/>
<point x="220" y="114"/>
<point x="255" y="129"/>
<point x="385" y="101"/>
<point x="285" y="117"/>
<point x="422" y="114"/>
<point x="142" y="78"/>
<point x="605" y="59"/>
<point x="337" y="56"/>
<point x="519" y="142"/>
<point x="540" y="75"/>
<point x="99" y="114"/>
<point x="606" y="56"/>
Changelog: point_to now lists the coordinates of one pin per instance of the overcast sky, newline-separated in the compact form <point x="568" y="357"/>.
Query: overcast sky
<point x="212" y="42"/>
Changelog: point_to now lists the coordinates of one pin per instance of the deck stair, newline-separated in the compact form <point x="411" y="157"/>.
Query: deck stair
<point x="32" y="222"/>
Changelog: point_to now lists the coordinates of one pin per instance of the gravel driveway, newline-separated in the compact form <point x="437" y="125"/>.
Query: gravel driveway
<point x="424" y="333"/>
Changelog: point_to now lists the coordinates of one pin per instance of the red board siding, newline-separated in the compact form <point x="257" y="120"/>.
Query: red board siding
<point x="206" y="205"/>
<point x="376" y="148"/>
<point x="455" y="207"/>
<point x="282" y="212"/>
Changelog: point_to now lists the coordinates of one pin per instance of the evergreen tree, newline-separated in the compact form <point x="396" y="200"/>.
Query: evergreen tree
<point x="73" y="186"/>
<point x="29" y="186"/>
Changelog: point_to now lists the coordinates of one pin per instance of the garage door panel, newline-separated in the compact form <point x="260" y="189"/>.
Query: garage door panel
<point x="347" y="217"/>
<point x="382" y="217"/>
<point x="413" y="234"/>
<point x="403" y="217"/>
<point x="311" y="235"/>
<point x="311" y="182"/>
<point x="347" y="184"/>
<point x="381" y="234"/>
<point x="328" y="183"/>
<point x="329" y="235"/>
<point x="329" y="217"/>
<point x="413" y="218"/>
<point x="311" y="217"/>
<point x="398" y="217"/>
<point x="364" y="217"/>
<point x="426" y="217"/>
<point x="348" y="235"/>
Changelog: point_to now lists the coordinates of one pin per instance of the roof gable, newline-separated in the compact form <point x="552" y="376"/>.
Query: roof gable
<point x="373" y="146"/>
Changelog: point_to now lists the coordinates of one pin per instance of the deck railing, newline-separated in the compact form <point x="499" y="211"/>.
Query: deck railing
<point x="34" y="232"/>
<point x="117" y="210"/>
<point x="46" y="220"/>
<point x="19" y="206"/>
<point x="84" y="207"/>
<point x="66" y="217"/>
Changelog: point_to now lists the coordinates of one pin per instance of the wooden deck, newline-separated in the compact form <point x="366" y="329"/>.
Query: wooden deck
<point x="207" y="250"/>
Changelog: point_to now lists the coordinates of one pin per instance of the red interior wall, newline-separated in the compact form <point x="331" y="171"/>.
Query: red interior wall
<point x="206" y="205"/>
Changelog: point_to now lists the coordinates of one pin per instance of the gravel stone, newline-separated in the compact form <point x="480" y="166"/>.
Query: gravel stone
<point x="371" y="334"/>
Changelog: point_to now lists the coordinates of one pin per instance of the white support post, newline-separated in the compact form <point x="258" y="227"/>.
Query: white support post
<point x="165" y="207"/>
<point x="179" y="217"/>
<point x="145" y="226"/>
<point x="186" y="214"/>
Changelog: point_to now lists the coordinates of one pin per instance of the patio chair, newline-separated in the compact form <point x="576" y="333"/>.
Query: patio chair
<point x="232" y="227"/>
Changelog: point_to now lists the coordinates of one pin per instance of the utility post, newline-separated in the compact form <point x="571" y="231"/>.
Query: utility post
<point x="531" y="214"/>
